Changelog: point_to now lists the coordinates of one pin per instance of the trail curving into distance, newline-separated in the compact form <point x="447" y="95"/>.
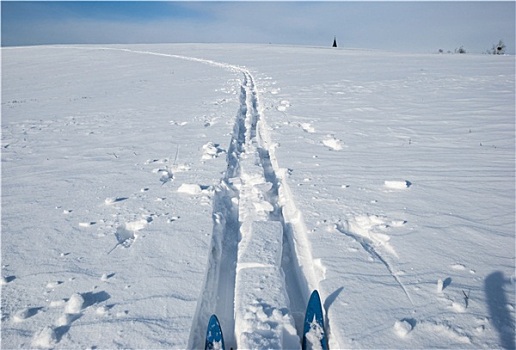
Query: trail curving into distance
<point x="260" y="268"/>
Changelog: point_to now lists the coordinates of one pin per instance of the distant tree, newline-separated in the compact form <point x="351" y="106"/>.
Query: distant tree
<point x="460" y="50"/>
<point x="498" y="49"/>
<point x="441" y="51"/>
<point x="334" y="41"/>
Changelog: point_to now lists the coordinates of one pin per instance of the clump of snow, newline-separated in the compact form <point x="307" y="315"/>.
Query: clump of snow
<point x="137" y="225"/>
<point x="332" y="143"/>
<point x="398" y="223"/>
<point x="314" y="336"/>
<point x="402" y="328"/>
<point x="191" y="189"/>
<point x="57" y="303"/>
<point x="178" y="123"/>
<point x="182" y="167"/>
<point x="45" y="339"/>
<point x="53" y="284"/>
<point x="87" y="224"/>
<point x="284" y="104"/>
<point x="397" y="184"/>
<point x="65" y="319"/>
<point x="211" y="150"/>
<point x="166" y="175"/>
<point x="307" y="127"/>
<point x="74" y="304"/>
<point x="102" y="310"/>
<point x="439" y="285"/>
<point x="112" y="200"/>
<point x="458" y="307"/>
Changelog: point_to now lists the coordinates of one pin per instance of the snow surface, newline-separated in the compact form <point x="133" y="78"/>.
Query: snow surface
<point x="145" y="187"/>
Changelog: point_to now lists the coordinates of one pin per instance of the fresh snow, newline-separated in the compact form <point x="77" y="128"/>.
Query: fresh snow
<point x="146" y="187"/>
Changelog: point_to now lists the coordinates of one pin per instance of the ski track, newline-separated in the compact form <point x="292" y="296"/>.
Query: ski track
<point x="253" y="188"/>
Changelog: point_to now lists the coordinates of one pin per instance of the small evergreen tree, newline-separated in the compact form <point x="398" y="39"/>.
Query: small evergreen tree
<point x="460" y="50"/>
<point x="498" y="49"/>
<point x="334" y="41"/>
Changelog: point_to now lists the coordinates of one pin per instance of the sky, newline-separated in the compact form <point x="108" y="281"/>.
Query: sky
<point x="408" y="26"/>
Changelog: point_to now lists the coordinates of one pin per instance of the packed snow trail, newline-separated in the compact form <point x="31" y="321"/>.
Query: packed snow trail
<point x="262" y="303"/>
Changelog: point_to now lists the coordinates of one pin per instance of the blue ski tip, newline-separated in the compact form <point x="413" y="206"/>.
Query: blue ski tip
<point x="314" y="332"/>
<point x="214" y="337"/>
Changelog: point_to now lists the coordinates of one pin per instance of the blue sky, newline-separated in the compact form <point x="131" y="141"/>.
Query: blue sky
<point x="399" y="26"/>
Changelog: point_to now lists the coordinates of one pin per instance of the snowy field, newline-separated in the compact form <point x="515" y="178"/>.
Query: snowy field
<point x="145" y="187"/>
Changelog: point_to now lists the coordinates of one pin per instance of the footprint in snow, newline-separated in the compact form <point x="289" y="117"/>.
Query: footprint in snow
<point x="25" y="313"/>
<point x="458" y="267"/>
<point x="166" y="175"/>
<point x="127" y="233"/>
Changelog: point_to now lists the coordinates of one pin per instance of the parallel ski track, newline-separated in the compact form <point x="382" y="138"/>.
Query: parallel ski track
<point x="249" y="128"/>
<point x="219" y="290"/>
<point x="218" y="293"/>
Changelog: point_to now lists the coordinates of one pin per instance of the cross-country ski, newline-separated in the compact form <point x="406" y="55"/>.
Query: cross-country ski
<point x="314" y="331"/>
<point x="214" y="336"/>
